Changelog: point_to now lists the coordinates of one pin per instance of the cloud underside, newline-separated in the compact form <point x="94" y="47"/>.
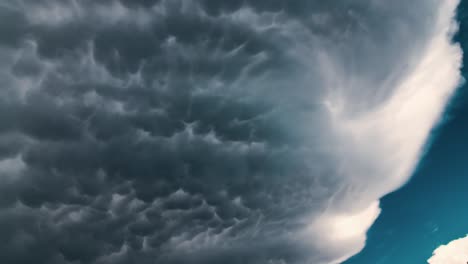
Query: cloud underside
<point x="454" y="252"/>
<point x="212" y="131"/>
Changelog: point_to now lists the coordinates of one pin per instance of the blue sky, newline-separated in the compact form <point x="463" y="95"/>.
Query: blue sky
<point x="431" y="209"/>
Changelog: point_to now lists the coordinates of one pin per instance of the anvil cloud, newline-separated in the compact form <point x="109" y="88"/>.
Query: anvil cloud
<point x="183" y="131"/>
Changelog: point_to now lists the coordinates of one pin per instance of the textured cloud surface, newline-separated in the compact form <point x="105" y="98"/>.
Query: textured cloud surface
<point x="180" y="131"/>
<point x="453" y="253"/>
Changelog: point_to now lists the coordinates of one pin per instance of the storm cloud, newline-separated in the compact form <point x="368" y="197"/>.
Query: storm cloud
<point x="183" y="131"/>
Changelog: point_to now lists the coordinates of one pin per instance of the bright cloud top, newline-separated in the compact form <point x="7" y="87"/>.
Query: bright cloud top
<point x="454" y="252"/>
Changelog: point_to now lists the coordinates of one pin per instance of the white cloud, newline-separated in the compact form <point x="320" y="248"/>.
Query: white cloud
<point x="388" y="140"/>
<point x="455" y="252"/>
<point x="344" y="231"/>
<point x="380" y="148"/>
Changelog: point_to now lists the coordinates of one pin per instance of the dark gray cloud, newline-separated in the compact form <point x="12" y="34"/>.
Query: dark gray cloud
<point x="192" y="131"/>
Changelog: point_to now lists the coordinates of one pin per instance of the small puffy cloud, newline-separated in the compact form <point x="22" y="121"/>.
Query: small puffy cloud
<point x="455" y="252"/>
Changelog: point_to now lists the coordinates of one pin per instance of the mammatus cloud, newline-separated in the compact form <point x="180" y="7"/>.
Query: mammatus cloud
<point x="454" y="252"/>
<point x="208" y="131"/>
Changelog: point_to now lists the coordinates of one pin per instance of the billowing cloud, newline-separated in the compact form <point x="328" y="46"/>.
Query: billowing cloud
<point x="180" y="131"/>
<point x="454" y="252"/>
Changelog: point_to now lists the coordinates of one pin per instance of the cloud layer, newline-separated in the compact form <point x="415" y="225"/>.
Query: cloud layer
<point x="454" y="252"/>
<point x="208" y="131"/>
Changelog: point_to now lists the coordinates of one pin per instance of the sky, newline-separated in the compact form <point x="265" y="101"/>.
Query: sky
<point x="243" y="131"/>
